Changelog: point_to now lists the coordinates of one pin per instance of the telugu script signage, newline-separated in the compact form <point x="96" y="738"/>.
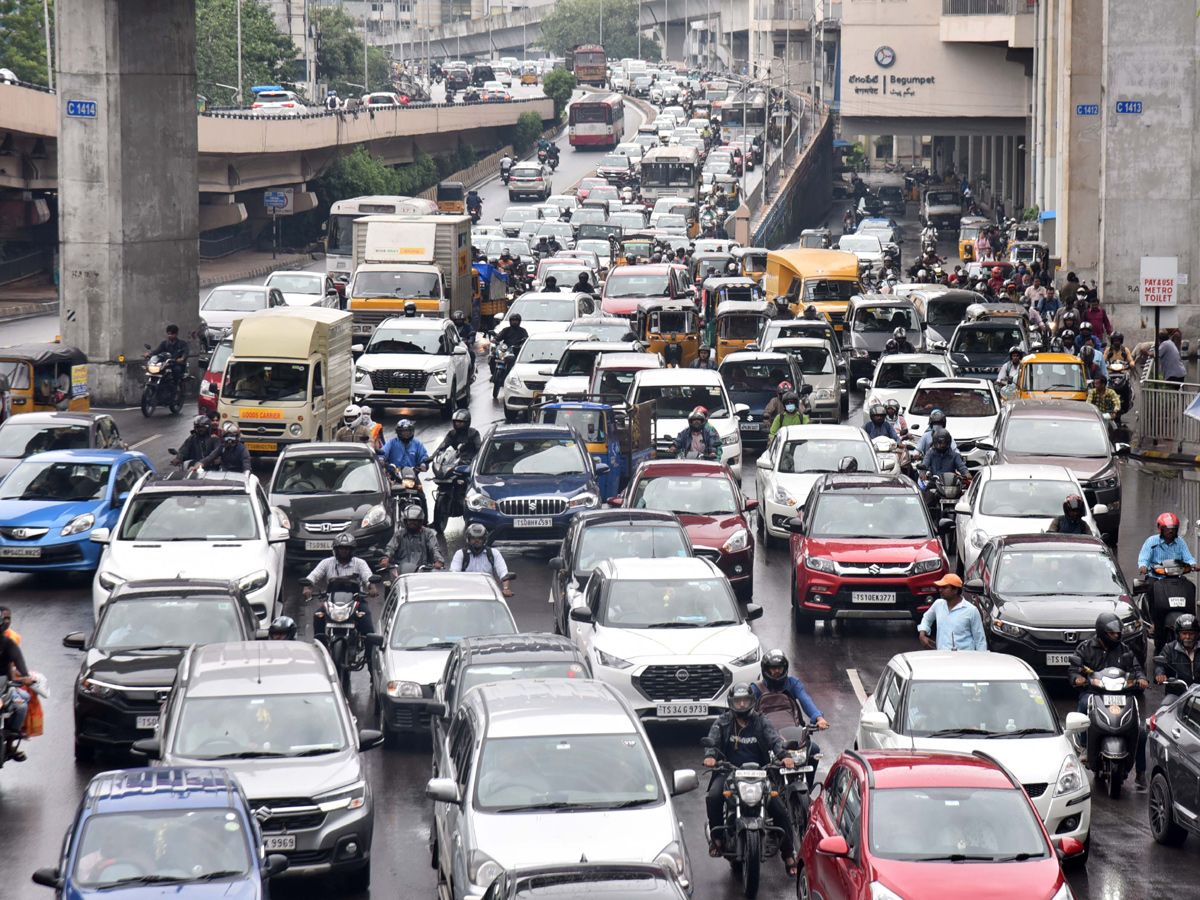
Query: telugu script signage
<point x="890" y="85"/>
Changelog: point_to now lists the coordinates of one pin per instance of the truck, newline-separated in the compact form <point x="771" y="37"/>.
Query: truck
<point x="941" y="207"/>
<point x="289" y="377"/>
<point x="397" y="259"/>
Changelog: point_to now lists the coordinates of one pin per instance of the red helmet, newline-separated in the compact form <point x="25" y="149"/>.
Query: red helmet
<point x="785" y="386"/>
<point x="699" y="411"/>
<point x="1168" y="520"/>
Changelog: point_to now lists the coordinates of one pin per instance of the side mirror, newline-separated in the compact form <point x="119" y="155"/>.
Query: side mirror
<point x="973" y="586"/>
<point x="874" y="722"/>
<point x="1077" y="723"/>
<point x="558" y="564"/>
<point x="1070" y="847"/>
<point x="438" y="710"/>
<point x="1100" y="509"/>
<point x="48" y="876"/>
<point x="148" y="747"/>
<point x="616" y="501"/>
<point x="99" y="536"/>
<point x="683" y="781"/>
<point x="76" y="640"/>
<point x="442" y="790"/>
<point x="986" y="444"/>
<point x="581" y="614"/>
<point x="357" y="348"/>
<point x="275" y="864"/>
<point x="373" y="640"/>
<point x="739" y="408"/>
<point x="751" y="504"/>
<point x="1121" y="449"/>
<point x="763" y="462"/>
<point x="805" y="390"/>
<point x="369" y="739"/>
<point x="795" y="525"/>
<point x="945" y="526"/>
<point x="863" y="384"/>
<point x="753" y="611"/>
<point x="278" y="534"/>
<point x="962" y="508"/>
<point x="602" y="468"/>
<point x="834" y="845"/>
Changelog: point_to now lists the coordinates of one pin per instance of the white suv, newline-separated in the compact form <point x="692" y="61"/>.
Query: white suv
<point x="414" y="362"/>
<point x="677" y="392"/>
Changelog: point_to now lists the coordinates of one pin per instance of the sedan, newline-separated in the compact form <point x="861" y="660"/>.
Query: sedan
<point x="305" y="288"/>
<point x="615" y="168"/>
<point x="233" y="301"/>
<point x="971" y="405"/>
<point x="27" y="434"/>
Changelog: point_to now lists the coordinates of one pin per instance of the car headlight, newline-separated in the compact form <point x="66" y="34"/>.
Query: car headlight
<point x="730" y="439"/>
<point x="583" y="501"/>
<point x="879" y="892"/>
<point x="78" y="524"/>
<point x="440" y="376"/>
<point x="362" y="375"/>
<point x="95" y="689"/>
<point x="254" y="581"/>
<point x="1064" y="893"/>
<point x="409" y="690"/>
<point x="478" y="500"/>
<point x="1007" y="628"/>
<point x="921" y="566"/>
<point x="819" y="564"/>
<point x="612" y="662"/>
<point x="351" y="797"/>
<point x="671" y="858"/>
<point x="737" y="542"/>
<point x="296" y="429"/>
<point x="782" y="497"/>
<point x="978" y="539"/>
<point x="860" y="354"/>
<point x="747" y="659"/>
<point x="482" y="869"/>
<point x="109" y="581"/>
<point x="376" y="515"/>
<point x="1104" y="484"/>
<point x="513" y="382"/>
<point x="1070" y="776"/>
<point x="751" y="792"/>
<point x="823" y="394"/>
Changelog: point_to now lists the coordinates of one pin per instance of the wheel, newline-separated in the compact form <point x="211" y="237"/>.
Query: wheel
<point x="1113" y="784"/>
<point x="447" y="409"/>
<point x="441" y="511"/>
<point x="1163" y="827"/>
<point x="148" y="402"/>
<point x="803" y="891"/>
<point x="359" y="881"/>
<point x="84" y="753"/>
<point x="177" y="401"/>
<point x="803" y="622"/>
<point x="753" y="864"/>
<point x="337" y="652"/>
<point x="464" y="401"/>
<point x="511" y="416"/>
<point x="799" y="813"/>
<point x="495" y="387"/>
<point x="346" y="673"/>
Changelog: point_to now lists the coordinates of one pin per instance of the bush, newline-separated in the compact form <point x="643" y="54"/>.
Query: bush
<point x="527" y="132"/>
<point x="558" y="84"/>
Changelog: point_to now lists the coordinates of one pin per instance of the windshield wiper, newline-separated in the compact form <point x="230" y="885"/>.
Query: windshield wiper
<point x="436" y="645"/>
<point x="953" y="857"/>
<point x="145" y="879"/>
<point x="677" y="625"/>
<point x="1017" y="857"/>
<point x="249" y="754"/>
<point x="317" y="751"/>
<point x="540" y="807"/>
<point x="221" y="873"/>
<point x="958" y="732"/>
<point x="1024" y="731"/>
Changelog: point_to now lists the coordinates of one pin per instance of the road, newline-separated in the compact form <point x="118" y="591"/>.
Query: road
<point x="38" y="797"/>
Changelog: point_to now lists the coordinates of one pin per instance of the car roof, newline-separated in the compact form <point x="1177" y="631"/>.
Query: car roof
<point x="651" y="269"/>
<point x="495" y="647"/>
<point x="628" y="516"/>
<point x="535" y="430"/>
<point x="1044" y="542"/>
<point x="210" y="483"/>
<point x="628" y="360"/>
<point x="952" y="381"/>
<point x="706" y="467"/>
<point x="941" y="665"/>
<point x="742" y="356"/>
<point x="83" y="456"/>
<point x="1051" y="409"/>
<point x="168" y="787"/>
<point x="929" y="768"/>
<point x="814" y="432"/>
<point x="240" y="287"/>
<point x="1022" y="472"/>
<point x="173" y="587"/>
<point x="847" y="481"/>
<point x="668" y="567"/>
<point x="417" y="587"/>
<point x="421" y="323"/>
<point x="915" y="357"/>
<point x="679" y="376"/>
<point x="52" y="417"/>
<point x="328" y="448"/>
<point x="540" y="708"/>
<point x="239" y="668"/>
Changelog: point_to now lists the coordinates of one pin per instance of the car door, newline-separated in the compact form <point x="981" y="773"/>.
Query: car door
<point x="127" y="476"/>
<point x="457" y="838"/>
<point x="274" y="551"/>
<point x="962" y="521"/>
<point x="1183" y="764"/>
<point x="851" y="876"/>
<point x="825" y="879"/>
<point x="892" y="707"/>
<point x="444" y="692"/>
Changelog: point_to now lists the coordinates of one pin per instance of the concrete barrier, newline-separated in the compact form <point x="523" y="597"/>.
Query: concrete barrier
<point x="806" y="194"/>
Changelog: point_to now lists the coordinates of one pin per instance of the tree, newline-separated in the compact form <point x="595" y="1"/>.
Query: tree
<point x="557" y="84"/>
<point x="340" y="54"/>
<point x="575" y="22"/>
<point x="268" y="57"/>
<point x="23" y="39"/>
<point x="526" y="132"/>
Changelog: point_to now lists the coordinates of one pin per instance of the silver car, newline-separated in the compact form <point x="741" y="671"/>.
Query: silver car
<point x="273" y="714"/>
<point x="549" y="773"/>
<point x="815" y="358"/>
<point x="526" y="180"/>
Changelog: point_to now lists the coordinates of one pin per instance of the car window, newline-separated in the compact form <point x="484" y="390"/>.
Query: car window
<point x="850" y="821"/>
<point x="835" y="791"/>
<point x="1059" y="573"/>
<point x="127" y="477"/>
<point x="891" y="698"/>
<point x="189" y="517"/>
<point x="881" y="688"/>
<point x="1189" y="713"/>
<point x="462" y="751"/>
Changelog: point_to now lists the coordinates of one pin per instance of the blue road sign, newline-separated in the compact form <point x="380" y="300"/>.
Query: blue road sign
<point x="1087" y="109"/>
<point x="1130" y="107"/>
<point x="81" y="109"/>
<point x="274" y="199"/>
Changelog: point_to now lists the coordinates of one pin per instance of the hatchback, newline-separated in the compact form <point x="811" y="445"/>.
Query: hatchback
<point x="1173" y="761"/>
<point x="27" y="434"/>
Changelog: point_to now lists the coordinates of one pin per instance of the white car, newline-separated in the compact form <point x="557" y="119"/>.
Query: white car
<point x="277" y="103"/>
<point x="534" y="367"/>
<point x="503" y="75"/>
<point x="414" y="362"/>
<point x="971" y="405"/>
<point x="796" y="459"/>
<point x="677" y="392"/>
<point x="573" y="374"/>
<point x="643" y="622"/>
<point x="219" y="525"/>
<point x="381" y="98"/>
<point x="897" y="375"/>
<point x="991" y="703"/>
<point x="541" y="313"/>
<point x="233" y="301"/>
<point x="866" y="247"/>
<point x="305" y="288"/>
<point x="1014" y="499"/>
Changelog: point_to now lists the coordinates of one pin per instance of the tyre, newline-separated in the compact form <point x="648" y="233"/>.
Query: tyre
<point x="359" y="881"/>
<point x="176" y="401"/>
<point x="1163" y="827"/>
<point x="337" y="652"/>
<point x="512" y="416"/>
<point x="745" y="590"/>
<point x="441" y="511"/>
<point x="84" y="753"/>
<point x="751" y="869"/>
<point x="803" y="622"/>
<point x="448" y="407"/>
<point x="346" y="673"/>
<point x="803" y="891"/>
<point x="495" y="387"/>
<point x="149" y="403"/>
<point x="1113" y="783"/>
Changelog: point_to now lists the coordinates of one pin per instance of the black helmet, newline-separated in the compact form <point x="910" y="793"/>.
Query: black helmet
<point x="900" y="334"/>
<point x="1117" y="337"/>
<point x="412" y="513"/>
<point x="941" y="439"/>
<point x="1186" y="622"/>
<point x="810" y="312"/>
<point x="476" y="536"/>
<point x="877" y="412"/>
<point x="201" y="424"/>
<point x="741" y="699"/>
<point x="1087" y="352"/>
<point x="937" y="419"/>
<point x="282" y="629"/>
<point x="1085" y="327"/>
<point x="410" y="309"/>
<point x="791" y="397"/>
<point x="461" y="415"/>
<point x="1106" y="623"/>
<point x="344" y="541"/>
<point x="1073" y="504"/>
<point x="848" y="464"/>
<point x="405" y="425"/>
<point x="774" y="660"/>
<point x="514" y="319"/>
<point x="458" y="316"/>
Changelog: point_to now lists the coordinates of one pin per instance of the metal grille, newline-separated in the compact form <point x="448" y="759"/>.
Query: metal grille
<point x="367" y="320"/>
<point x="26" y="534"/>
<point x="399" y="378"/>
<point x="533" y="506"/>
<point x="708" y="553"/>
<point x="837" y="317"/>
<point x="254" y="432"/>
<point x="872" y="570"/>
<point x="535" y="385"/>
<point x="306" y="815"/>
<point x="308" y="857"/>
<point x="326" y="527"/>
<point x="988" y="7"/>
<point x="1035" y="790"/>
<point x="681" y="682"/>
<point x="409" y="718"/>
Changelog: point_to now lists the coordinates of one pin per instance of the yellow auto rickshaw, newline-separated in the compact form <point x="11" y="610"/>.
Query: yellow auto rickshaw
<point x="670" y="327"/>
<point x="752" y="261"/>
<point x="529" y="74"/>
<point x="969" y="231"/>
<point x="739" y="323"/>
<point x="451" y="198"/>
<point x="46" y="377"/>
<point x="632" y="249"/>
<point x="1049" y="376"/>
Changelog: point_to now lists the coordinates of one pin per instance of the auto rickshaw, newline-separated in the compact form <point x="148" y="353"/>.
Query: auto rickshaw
<point x="490" y="294"/>
<point x="632" y="250"/>
<point x="753" y="262"/>
<point x="451" y="198"/>
<point x="529" y="74"/>
<point x="969" y="230"/>
<point x="670" y="327"/>
<point x="739" y="323"/>
<point x="46" y="377"/>
<point x="719" y="261"/>
<point x="816" y="239"/>
<point x="1019" y="232"/>
<point x="716" y="290"/>
<point x="619" y="441"/>
<point x="1049" y="376"/>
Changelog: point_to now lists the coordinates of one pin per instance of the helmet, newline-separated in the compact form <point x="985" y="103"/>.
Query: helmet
<point x="1073" y="504"/>
<point x="704" y="350"/>
<point x="514" y="319"/>
<point x="405" y="425"/>
<point x="699" y="414"/>
<point x="1087" y="352"/>
<point x="877" y="412"/>
<point x="1085" y="327"/>
<point x="900" y="334"/>
<point x="551" y="281"/>
<point x="412" y="513"/>
<point x="774" y="660"/>
<point x="201" y="423"/>
<point x="1070" y="314"/>
<point x="810" y="312"/>
<point x="1186" y="622"/>
<point x="476" y="536"/>
<point x="941" y="439"/>
<point x="345" y="541"/>
<point x="937" y="419"/>
<point x="1015" y="349"/>
<point x="1168" y="520"/>
<point x="997" y="272"/>
<point x="784" y="387"/>
<point x="461" y="415"/>
<point x="1108" y="623"/>
<point x="848" y="464"/>
<point x="230" y="431"/>
<point x="410" y="308"/>
<point x="1068" y="336"/>
<point x="1117" y="337"/>
<point x="893" y="408"/>
<point x="458" y="316"/>
<point x="922" y="275"/>
<point x="791" y="397"/>
<point x="282" y="629"/>
<point x="891" y="346"/>
<point x="741" y="699"/>
<point x="351" y="414"/>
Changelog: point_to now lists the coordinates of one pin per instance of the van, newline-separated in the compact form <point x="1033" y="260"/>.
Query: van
<point x="826" y="279"/>
<point x="289" y="376"/>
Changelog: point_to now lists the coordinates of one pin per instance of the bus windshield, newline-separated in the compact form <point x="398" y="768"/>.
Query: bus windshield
<point x="656" y="174"/>
<point x="589" y="113"/>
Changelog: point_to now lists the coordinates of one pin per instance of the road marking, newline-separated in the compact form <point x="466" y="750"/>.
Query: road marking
<point x="143" y="443"/>
<point x="856" y="683"/>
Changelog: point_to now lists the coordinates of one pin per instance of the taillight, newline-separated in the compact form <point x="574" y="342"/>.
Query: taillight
<point x="289" y="105"/>
<point x="1152" y="725"/>
<point x="255" y="105"/>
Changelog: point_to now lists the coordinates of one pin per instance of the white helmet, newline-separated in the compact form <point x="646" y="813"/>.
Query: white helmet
<point x="350" y="415"/>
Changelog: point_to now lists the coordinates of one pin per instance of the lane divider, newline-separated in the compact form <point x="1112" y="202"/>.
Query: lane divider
<point x="856" y="683"/>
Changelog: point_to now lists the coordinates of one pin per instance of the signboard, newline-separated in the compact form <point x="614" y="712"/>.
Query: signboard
<point x="1129" y="107"/>
<point x="280" y="202"/>
<point x="402" y="242"/>
<point x="79" y="380"/>
<point x="1087" y="109"/>
<point x="1159" y="280"/>
<point x="81" y="109"/>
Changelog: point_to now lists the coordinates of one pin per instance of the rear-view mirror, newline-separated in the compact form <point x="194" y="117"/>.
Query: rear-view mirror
<point x="148" y="747"/>
<point x="442" y="790"/>
<point x="99" y="536"/>
<point x="682" y="781"/>
<point x="874" y="721"/>
<point x="973" y="585"/>
<point x="75" y="640"/>
<point x="581" y="614"/>
<point x="753" y="611"/>
<point x="275" y="864"/>
<point x="834" y="845"/>
<point x="373" y="640"/>
<point x="369" y="739"/>
<point x="795" y="525"/>
<point x="1076" y="723"/>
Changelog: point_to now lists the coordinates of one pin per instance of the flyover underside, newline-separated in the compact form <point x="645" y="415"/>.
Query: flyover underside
<point x="939" y="127"/>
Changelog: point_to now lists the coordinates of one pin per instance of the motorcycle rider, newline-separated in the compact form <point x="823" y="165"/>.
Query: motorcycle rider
<point x="1164" y="546"/>
<point x="1103" y="397"/>
<point x="506" y="262"/>
<point x="1085" y="336"/>
<point x="584" y="284"/>
<point x="937" y="419"/>
<point x="283" y="628"/>
<point x="699" y="437"/>
<point x="513" y="334"/>
<point x="506" y="164"/>
<point x="552" y="155"/>
<point x="410" y="309"/>
<point x="414" y="544"/>
<point x="791" y="414"/>
<point x="878" y="424"/>
<point x="12" y="666"/>
<point x="462" y="437"/>
<point x="477" y="556"/>
<point x="704" y="359"/>
<point x="897" y="421"/>
<point x="1180" y="653"/>
<point x="176" y="350"/>
<point x="903" y="344"/>
<point x="779" y="691"/>
<point x="199" y="444"/>
<point x="231" y="455"/>
<point x="741" y="736"/>
<point x="1009" y="371"/>
<point x="1071" y="521"/>
<point x="474" y="203"/>
<point x="404" y="450"/>
<point x="943" y="457"/>
<point x="1093" y="363"/>
<point x="353" y="431"/>
<point x="342" y="564"/>
<point x="551" y="286"/>
<point x="1117" y="351"/>
<point x="331" y="100"/>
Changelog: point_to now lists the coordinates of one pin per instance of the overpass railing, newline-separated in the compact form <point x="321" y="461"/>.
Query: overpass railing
<point x="319" y="112"/>
<point x="224" y="241"/>
<point x="31" y="263"/>
<point x="1161" y="423"/>
<point x="988" y="7"/>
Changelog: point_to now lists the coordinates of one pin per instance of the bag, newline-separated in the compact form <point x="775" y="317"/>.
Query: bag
<point x="35" y="718"/>
<point x="781" y="709"/>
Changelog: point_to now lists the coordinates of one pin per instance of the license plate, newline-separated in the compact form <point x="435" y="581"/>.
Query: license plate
<point x="1058" y="659"/>
<point x="1177" y="602"/>
<point x="751" y="426"/>
<point x="26" y="552"/>
<point x="399" y="390"/>
<point x="533" y="523"/>
<point x="1115" y="699"/>
<point x="281" y="842"/>
<point x="262" y="446"/>
<point x="147" y="722"/>
<point x="319" y="545"/>
<point x="669" y="710"/>
<point x="873" y="597"/>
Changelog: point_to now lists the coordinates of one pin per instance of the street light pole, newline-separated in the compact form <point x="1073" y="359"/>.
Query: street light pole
<point x="49" y="55"/>
<point x="601" y="23"/>
<point x="239" y="49"/>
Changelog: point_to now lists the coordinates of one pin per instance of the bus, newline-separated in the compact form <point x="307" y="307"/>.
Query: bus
<point x="588" y="64"/>
<point x="671" y="172"/>
<point x="742" y="112"/>
<point x="339" y="230"/>
<point x="597" y="120"/>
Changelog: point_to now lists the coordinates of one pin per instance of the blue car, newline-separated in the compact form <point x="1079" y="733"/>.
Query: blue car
<point x="529" y="480"/>
<point x="183" y="832"/>
<point x="49" y="504"/>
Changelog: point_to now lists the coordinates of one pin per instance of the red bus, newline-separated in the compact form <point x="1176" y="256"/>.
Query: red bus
<point x="590" y="65"/>
<point x="597" y="120"/>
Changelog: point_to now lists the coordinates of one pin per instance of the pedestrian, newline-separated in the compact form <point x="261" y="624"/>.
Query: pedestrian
<point x="959" y="626"/>
<point x="1069" y="290"/>
<point x="1170" y="363"/>
<point x="1101" y="327"/>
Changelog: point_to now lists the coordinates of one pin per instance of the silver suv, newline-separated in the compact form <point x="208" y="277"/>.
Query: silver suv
<point x="526" y="180"/>
<point x="271" y="712"/>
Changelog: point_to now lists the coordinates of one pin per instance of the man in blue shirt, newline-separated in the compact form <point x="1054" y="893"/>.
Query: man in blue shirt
<point x="937" y="419"/>
<point x="944" y="458"/>
<point x="1167" y="545"/>
<point x="404" y="450"/>
<point x="958" y="624"/>
<point x="878" y="425"/>
<point x="784" y="701"/>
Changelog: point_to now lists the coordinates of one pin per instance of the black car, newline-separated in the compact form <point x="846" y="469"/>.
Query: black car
<point x="609" y="534"/>
<point x="615" y="881"/>
<point x="141" y="634"/>
<point x="458" y="79"/>
<point x="25" y="434"/>
<point x="892" y="199"/>
<point x="1039" y="596"/>
<point x="752" y="379"/>
<point x="980" y="347"/>
<point x="1173" y="766"/>
<point x="329" y="488"/>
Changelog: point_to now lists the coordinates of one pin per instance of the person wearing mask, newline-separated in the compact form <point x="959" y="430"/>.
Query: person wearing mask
<point x="462" y="437"/>
<point x="1164" y="546"/>
<point x="404" y="450"/>
<point x="1180" y="654"/>
<point x="1071" y="521"/>
<point x="175" y="349"/>
<point x="283" y="628"/>
<point x="699" y="438"/>
<point x="342" y="565"/>
<point x="199" y="444"/>
<point x="1103" y="397"/>
<point x="897" y="421"/>
<point x="505" y="261"/>
<point x="791" y="414"/>
<point x="410" y="309"/>
<point x="741" y="736"/>
<point x="231" y="455"/>
<point x="1012" y="367"/>
<point x="413" y="545"/>
<point x="704" y="359"/>
<point x="353" y="431"/>
<point x="1170" y="362"/>
<point x="477" y="556"/>
<point x="783" y="700"/>
<point x="878" y="425"/>
<point x="959" y="626"/>
<point x="943" y="457"/>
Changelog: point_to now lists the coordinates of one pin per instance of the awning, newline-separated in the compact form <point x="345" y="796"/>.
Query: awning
<point x="838" y="142"/>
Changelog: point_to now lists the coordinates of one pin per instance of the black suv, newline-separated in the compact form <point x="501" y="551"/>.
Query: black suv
<point x="980" y="346"/>
<point x="1172" y="764"/>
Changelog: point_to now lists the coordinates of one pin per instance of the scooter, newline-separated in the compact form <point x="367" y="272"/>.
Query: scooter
<point x="1113" y="717"/>
<point x="942" y="493"/>
<point x="1166" y="598"/>
<point x="502" y="360"/>
<point x="506" y="175"/>
<point x="451" y="479"/>
<point x="8" y="703"/>
<point x="1118" y="380"/>
<point x="342" y="607"/>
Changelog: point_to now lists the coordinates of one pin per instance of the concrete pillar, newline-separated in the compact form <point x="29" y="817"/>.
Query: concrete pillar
<point x="128" y="184"/>
<point x="972" y="160"/>
<point x="1015" y="198"/>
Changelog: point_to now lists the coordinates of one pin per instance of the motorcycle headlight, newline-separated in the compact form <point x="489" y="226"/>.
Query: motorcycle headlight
<point x="612" y="662"/>
<point x="730" y="440"/>
<point x="978" y="539"/>
<point x="1131" y="626"/>
<point x="879" y="892"/>
<point x="482" y="869"/>
<point x="296" y="429"/>
<point x="78" y="524"/>
<point x="583" y="501"/>
<point x="751" y="792"/>
<point x="109" y="581"/>
<point x="747" y="659"/>
<point x="819" y="564"/>
<point x="922" y="566"/>
<point x="351" y="797"/>
<point x="1070" y="776"/>
<point x="737" y="542"/>
<point x="340" y="612"/>
<point x="409" y="690"/>
<point x="671" y="858"/>
<point x="1007" y="628"/>
<point x="376" y="515"/>
<point x="95" y="689"/>
<point x="513" y="382"/>
<point x="782" y="497"/>
<point x="154" y="370"/>
<point x="478" y="500"/>
<point x="254" y="581"/>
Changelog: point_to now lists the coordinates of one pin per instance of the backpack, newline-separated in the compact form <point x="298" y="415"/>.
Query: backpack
<point x="780" y="708"/>
<point x="490" y="555"/>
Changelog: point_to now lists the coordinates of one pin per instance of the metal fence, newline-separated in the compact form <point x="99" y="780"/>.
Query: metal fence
<point x="988" y="7"/>
<point x="31" y="263"/>
<point x="223" y="241"/>
<point x="1162" y="424"/>
<point x="798" y="11"/>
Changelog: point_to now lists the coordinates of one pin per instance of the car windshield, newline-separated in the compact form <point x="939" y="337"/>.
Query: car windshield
<point x="954" y="402"/>
<point x="190" y="517"/>
<point x="515" y="247"/>
<point x="571" y="772"/>
<point x="859" y="243"/>
<point x="601" y="248"/>
<point x="672" y="321"/>
<point x="519" y="671"/>
<point x="615" y="161"/>
<point x="948" y="311"/>
<point x="250" y="725"/>
<point x="669" y="603"/>
<point x="1073" y="438"/>
<point x="628" y="221"/>
<point x="628" y="541"/>
<point x="297" y="283"/>
<point x="675" y="401"/>
<point x="588" y="422"/>
<point x="56" y="481"/>
<point x="676" y="222"/>
<point x="986" y="340"/>
<point x="235" y="300"/>
<point x="903" y="375"/>
<point x="698" y="495"/>
<point x="1036" y="376"/>
<point x="869" y="515"/>
<point x="1025" y="498"/>
<point x="820" y="289"/>
<point x="514" y="215"/>
<point x="438" y="624"/>
<point x="586" y="216"/>
<point x="755" y="377"/>
<point x="160" y="845"/>
<point x="1053" y="573"/>
<point x="825" y="454"/>
<point x="403" y="285"/>
<point x="255" y="380"/>
<point x="999" y="708"/>
<point x="428" y="341"/>
<point x="543" y="310"/>
<point x="20" y="439"/>
<point x="305" y="475"/>
<point x="811" y="360"/>
<point x="531" y="456"/>
<point x="154" y="622"/>
<point x="954" y="824"/>
<point x="638" y="285"/>
<point x="885" y="318"/>
<point x="545" y="350"/>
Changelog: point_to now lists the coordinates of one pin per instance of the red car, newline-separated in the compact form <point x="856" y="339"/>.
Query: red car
<point x="909" y="825"/>
<point x="586" y="185"/>
<point x="864" y="548"/>
<point x="710" y="505"/>
<point x="627" y="286"/>
<point x="210" y="384"/>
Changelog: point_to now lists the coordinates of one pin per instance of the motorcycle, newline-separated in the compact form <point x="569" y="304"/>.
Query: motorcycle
<point x="892" y="456"/>
<point x="928" y="244"/>
<point x="1113" y="718"/>
<point x="161" y="388"/>
<point x="1118" y="380"/>
<point x="341" y="604"/>
<point x="505" y="175"/>
<point x="407" y="490"/>
<point x="545" y="156"/>
<point x="501" y="361"/>
<point x="475" y="212"/>
<point x="8" y="702"/>
<point x="1166" y="598"/>
<point x="942" y="493"/>
<point x="451" y="479"/>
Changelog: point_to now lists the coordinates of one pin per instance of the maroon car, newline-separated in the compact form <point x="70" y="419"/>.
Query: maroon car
<point x="711" y="507"/>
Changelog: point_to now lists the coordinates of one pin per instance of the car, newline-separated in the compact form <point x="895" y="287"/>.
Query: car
<point x="864" y="548"/>
<point x="218" y="523"/>
<point x="677" y="392"/>
<point x="1039" y="596"/>
<point x="1070" y="434"/>
<point x="563" y="233"/>
<point x="53" y="504"/>
<point x="1172" y="760"/>
<point x="305" y="288"/>
<point x="494" y="90"/>
<point x="897" y="375"/>
<point x="424" y="614"/>
<point x="924" y="825"/>
<point x="616" y="168"/>
<point x="133" y="654"/>
<point x="233" y="301"/>
<point x="892" y="198"/>
<point x="514" y="219"/>
<point x="817" y="362"/>
<point x="535" y="365"/>
<point x="614" y="374"/>
<point x="381" y="98"/>
<point x="752" y="379"/>
<point x="566" y="272"/>
<point x="971" y="405"/>
<point x="326" y="489"/>
<point x="992" y="702"/>
<point x="587" y="185"/>
<point x="628" y="285"/>
<point x="795" y="461"/>
<point x="573" y="374"/>
<point x="187" y="826"/>
<point x="526" y="180"/>
<point x="979" y="347"/>
<point x="277" y="103"/>
<point x="26" y="434"/>
<point x="414" y="362"/>
<point x="544" y="312"/>
<point x="871" y="320"/>
<point x="273" y="714"/>
<point x="503" y="75"/>
<point x="887" y="232"/>
<point x="565" y="202"/>
<point x="941" y="309"/>
<point x="1012" y="499"/>
<point x="619" y="881"/>
<point x="214" y="375"/>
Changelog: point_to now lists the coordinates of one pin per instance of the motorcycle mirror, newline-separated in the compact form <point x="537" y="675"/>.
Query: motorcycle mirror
<point x="945" y="526"/>
<point x="375" y="579"/>
<point x="511" y="576"/>
<point x="147" y="346"/>
<point x="172" y="451"/>
<point x="1075" y="660"/>
<point x="305" y="582"/>
<point x="708" y="742"/>
<point x="1161" y="660"/>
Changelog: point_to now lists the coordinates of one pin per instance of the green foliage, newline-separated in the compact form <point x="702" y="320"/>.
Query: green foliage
<point x="557" y="84"/>
<point x="23" y="39"/>
<point x="575" y="22"/>
<point x="340" y="57"/>
<point x="1032" y="213"/>
<point x="528" y="130"/>
<point x="268" y="57"/>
